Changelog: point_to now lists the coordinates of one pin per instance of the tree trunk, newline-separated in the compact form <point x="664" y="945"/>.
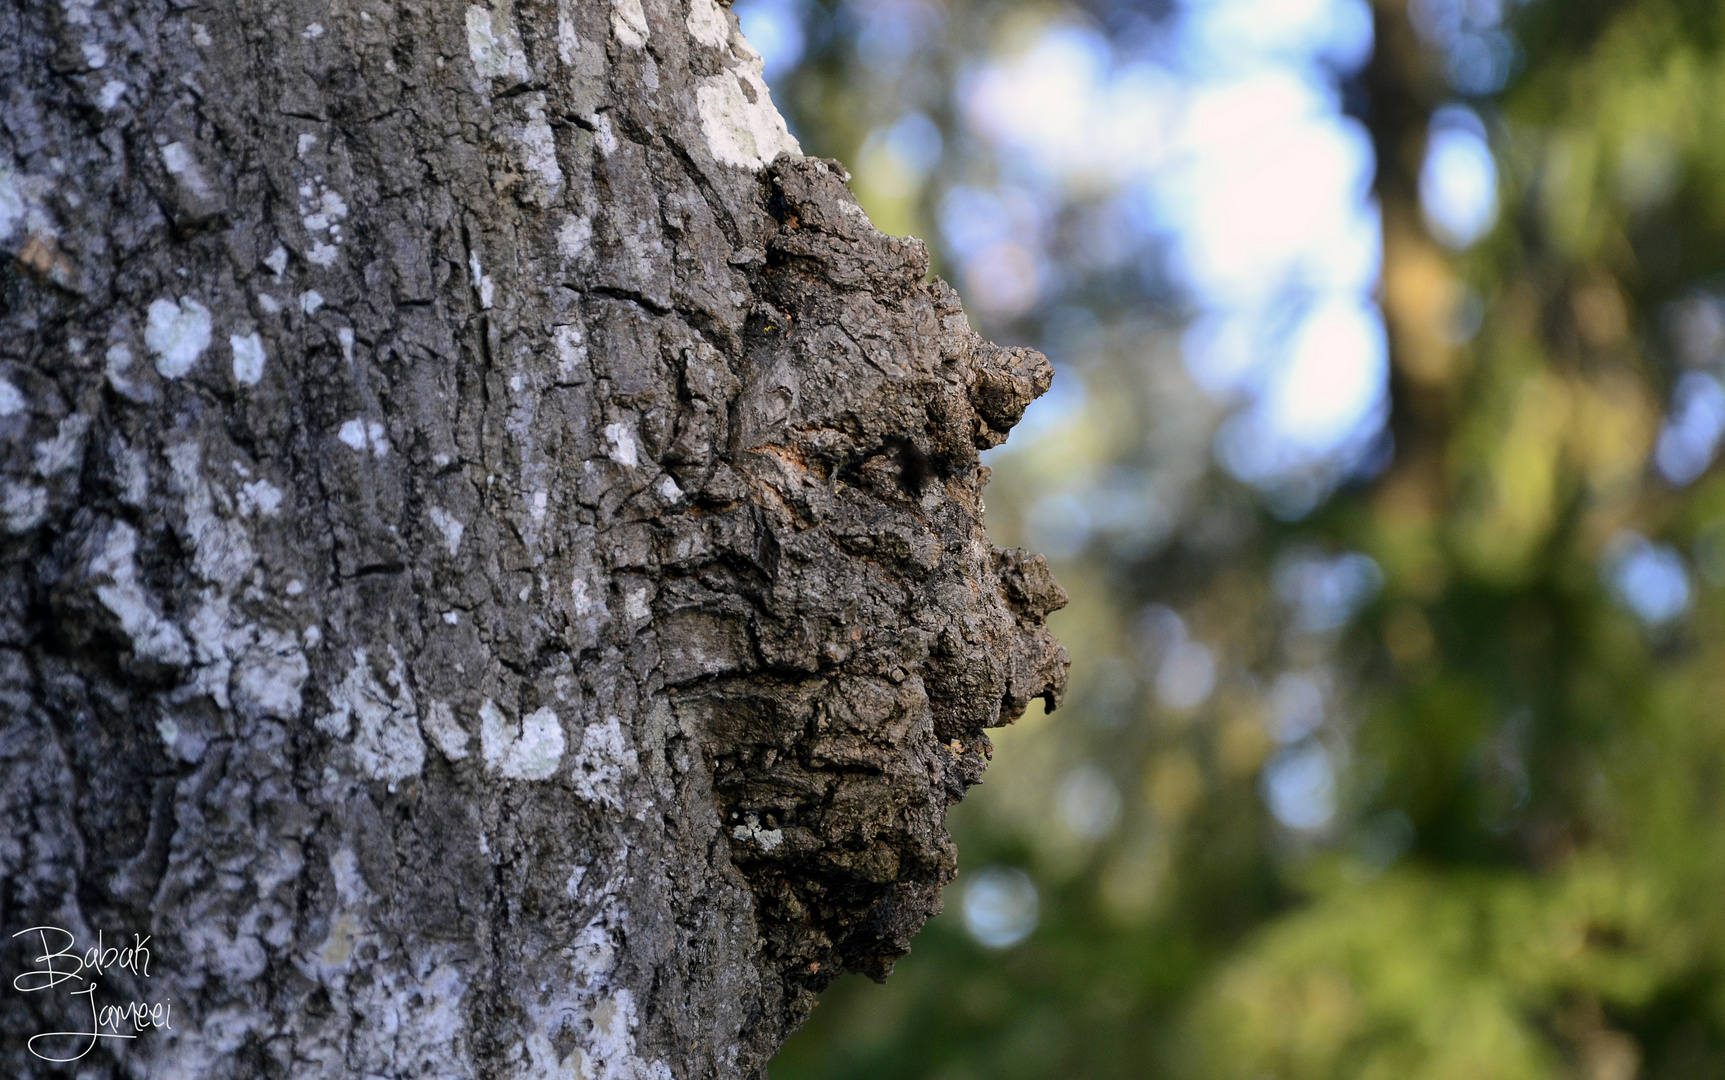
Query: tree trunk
<point x="494" y="571"/>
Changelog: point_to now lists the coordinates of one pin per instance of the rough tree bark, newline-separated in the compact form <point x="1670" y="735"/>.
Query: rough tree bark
<point x="494" y="580"/>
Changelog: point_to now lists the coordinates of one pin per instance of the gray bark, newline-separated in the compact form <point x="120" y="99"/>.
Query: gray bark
<point x="494" y="580"/>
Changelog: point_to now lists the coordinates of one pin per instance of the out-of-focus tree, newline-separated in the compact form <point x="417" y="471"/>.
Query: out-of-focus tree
<point x="1395" y="744"/>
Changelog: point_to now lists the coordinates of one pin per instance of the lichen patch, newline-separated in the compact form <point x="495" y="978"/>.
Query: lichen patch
<point x="65" y="449"/>
<point x="624" y="449"/>
<point x="708" y="25"/>
<point x="359" y="435"/>
<point x="629" y="23"/>
<point x="178" y="334"/>
<point x="449" y="736"/>
<point x="493" y="44"/>
<point x="604" y="759"/>
<point x="739" y="121"/>
<point x="539" y="151"/>
<point x="448" y="525"/>
<point x="269" y="675"/>
<point x="482" y="283"/>
<point x="531" y="750"/>
<point x="258" y="497"/>
<point x="248" y="358"/>
<point x="115" y="568"/>
<point x="321" y="212"/>
<point x="386" y="744"/>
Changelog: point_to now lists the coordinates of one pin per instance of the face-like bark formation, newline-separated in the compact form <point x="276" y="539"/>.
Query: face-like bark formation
<point x="494" y="579"/>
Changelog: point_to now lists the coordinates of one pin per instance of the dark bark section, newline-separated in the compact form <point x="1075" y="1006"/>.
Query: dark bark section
<point x="494" y="580"/>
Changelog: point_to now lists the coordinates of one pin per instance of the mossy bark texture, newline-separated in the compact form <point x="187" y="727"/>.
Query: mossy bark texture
<point x="492" y="577"/>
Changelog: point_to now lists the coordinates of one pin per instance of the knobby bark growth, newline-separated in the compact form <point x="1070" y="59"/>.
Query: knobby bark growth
<point x="494" y="571"/>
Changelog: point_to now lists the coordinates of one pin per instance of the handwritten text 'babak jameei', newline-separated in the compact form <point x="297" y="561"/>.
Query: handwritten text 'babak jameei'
<point x="65" y="970"/>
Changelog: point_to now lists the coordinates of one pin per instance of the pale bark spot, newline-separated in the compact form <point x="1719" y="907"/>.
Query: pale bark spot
<point x="708" y="25"/>
<point x="539" y="151"/>
<point x="740" y="131"/>
<point x="531" y="750"/>
<point x="248" y="358"/>
<point x="494" y="45"/>
<point x="568" y="41"/>
<point x="65" y="449"/>
<point x="178" y="334"/>
<point x="386" y="744"/>
<point x="571" y="351"/>
<point x="599" y="767"/>
<point x="624" y="450"/>
<point x="451" y="528"/>
<point x="629" y="23"/>
<point x="445" y="732"/>
<point x="259" y="497"/>
<point x="152" y="636"/>
<point x="178" y="159"/>
<point x="481" y="281"/>
<point x="603" y="136"/>
<point x="574" y="235"/>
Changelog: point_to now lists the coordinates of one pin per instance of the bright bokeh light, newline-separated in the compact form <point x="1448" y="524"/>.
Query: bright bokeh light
<point x="1218" y="149"/>
<point x="1322" y="592"/>
<point x="775" y="29"/>
<point x="1300" y="786"/>
<point x="996" y="235"/>
<point x="889" y="32"/>
<point x="1184" y="671"/>
<point x="1338" y="32"/>
<point x="1061" y="110"/>
<point x="1268" y="203"/>
<point x="1089" y="802"/>
<point x="1458" y="182"/>
<point x="1296" y="706"/>
<point x="1331" y="386"/>
<point x="1269" y="192"/>
<point x="1001" y="906"/>
<point x="1696" y="328"/>
<point x="1060" y="525"/>
<point x="1648" y="578"/>
<point x="1334" y="380"/>
<point x="1225" y="146"/>
<point x="1479" y="56"/>
<point x="1690" y="438"/>
<point x="1187" y="676"/>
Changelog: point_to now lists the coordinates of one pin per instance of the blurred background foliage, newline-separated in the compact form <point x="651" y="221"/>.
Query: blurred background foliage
<point x="1379" y="469"/>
